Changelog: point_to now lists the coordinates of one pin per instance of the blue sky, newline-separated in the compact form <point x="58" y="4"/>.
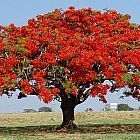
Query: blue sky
<point x="19" y="11"/>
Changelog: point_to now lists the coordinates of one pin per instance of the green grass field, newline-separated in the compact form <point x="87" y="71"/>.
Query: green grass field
<point x="76" y="136"/>
<point x="92" y="126"/>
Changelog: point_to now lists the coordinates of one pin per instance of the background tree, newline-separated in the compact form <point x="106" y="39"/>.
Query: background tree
<point x="124" y="107"/>
<point x="29" y="111"/>
<point x="45" y="109"/>
<point x="88" y="110"/>
<point x="67" y="56"/>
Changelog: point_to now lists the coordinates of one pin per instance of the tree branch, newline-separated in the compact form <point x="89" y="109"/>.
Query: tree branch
<point x="83" y="95"/>
<point x="58" y="99"/>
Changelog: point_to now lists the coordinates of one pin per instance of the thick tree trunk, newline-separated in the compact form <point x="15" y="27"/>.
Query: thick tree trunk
<point x="68" y="118"/>
<point x="67" y="105"/>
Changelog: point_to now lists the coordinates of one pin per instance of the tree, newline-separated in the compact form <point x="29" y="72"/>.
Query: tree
<point x="45" y="109"/>
<point x="67" y="56"/>
<point x="124" y="107"/>
<point x="88" y="110"/>
<point x="107" y="108"/>
<point x="29" y="111"/>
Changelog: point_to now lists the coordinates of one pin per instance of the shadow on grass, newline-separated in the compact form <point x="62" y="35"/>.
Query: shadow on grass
<point x="95" y="128"/>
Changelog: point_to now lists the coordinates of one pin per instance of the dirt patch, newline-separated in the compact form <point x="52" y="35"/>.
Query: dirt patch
<point x="97" y="129"/>
<point x="104" y="129"/>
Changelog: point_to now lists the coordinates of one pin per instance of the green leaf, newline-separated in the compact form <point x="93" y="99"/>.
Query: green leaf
<point x="138" y="73"/>
<point x="56" y="31"/>
<point x="98" y="79"/>
<point x="127" y="77"/>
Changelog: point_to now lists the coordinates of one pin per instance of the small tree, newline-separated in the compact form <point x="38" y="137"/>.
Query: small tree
<point x="124" y="107"/>
<point x="88" y="110"/>
<point x="29" y="111"/>
<point x="67" y="56"/>
<point x="107" y="107"/>
<point x="45" y="109"/>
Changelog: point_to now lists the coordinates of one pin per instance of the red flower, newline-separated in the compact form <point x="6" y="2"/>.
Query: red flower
<point x="25" y="85"/>
<point x="55" y="91"/>
<point x="83" y="46"/>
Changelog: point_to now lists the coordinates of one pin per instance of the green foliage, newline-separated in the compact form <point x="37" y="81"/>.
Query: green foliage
<point x="29" y="110"/>
<point x="124" y="107"/>
<point x="138" y="73"/>
<point x="45" y="109"/>
<point x="127" y="77"/>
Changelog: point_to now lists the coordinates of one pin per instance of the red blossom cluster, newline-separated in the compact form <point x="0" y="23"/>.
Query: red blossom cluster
<point x="81" y="46"/>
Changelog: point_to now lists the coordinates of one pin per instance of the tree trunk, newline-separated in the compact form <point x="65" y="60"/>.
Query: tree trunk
<point x="68" y="118"/>
<point x="68" y="103"/>
<point x="67" y="107"/>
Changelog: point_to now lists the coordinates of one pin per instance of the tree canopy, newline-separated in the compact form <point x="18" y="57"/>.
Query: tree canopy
<point x="71" y="52"/>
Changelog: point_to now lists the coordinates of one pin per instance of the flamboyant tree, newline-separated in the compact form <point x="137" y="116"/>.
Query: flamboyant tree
<point x="67" y="56"/>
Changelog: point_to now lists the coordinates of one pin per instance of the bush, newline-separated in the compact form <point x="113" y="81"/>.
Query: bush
<point x="124" y="107"/>
<point x="45" y="109"/>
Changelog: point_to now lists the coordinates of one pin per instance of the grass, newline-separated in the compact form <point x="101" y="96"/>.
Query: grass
<point x="92" y="126"/>
<point x="84" y="118"/>
<point x="122" y="117"/>
<point x="75" y="136"/>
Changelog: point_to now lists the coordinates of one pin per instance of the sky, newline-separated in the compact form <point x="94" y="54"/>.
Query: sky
<point x="19" y="11"/>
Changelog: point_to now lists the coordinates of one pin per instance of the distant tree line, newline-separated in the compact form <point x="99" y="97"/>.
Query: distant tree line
<point x="120" y="107"/>
<point x="41" y="109"/>
<point x="124" y="107"/>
